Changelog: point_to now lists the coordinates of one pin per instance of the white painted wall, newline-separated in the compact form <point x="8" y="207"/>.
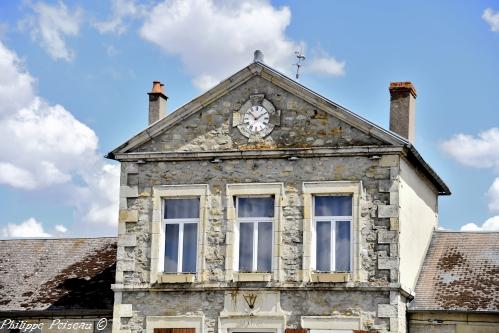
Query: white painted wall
<point x="418" y="201"/>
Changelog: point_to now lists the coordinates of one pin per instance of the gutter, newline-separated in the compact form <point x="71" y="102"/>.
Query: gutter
<point x="442" y="188"/>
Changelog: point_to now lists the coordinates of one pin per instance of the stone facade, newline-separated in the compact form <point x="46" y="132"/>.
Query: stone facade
<point x="318" y="147"/>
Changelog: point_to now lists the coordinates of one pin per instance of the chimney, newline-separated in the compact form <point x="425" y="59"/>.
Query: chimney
<point x="403" y="109"/>
<point x="157" y="102"/>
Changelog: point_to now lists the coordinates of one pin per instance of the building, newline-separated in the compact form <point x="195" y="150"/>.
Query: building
<point x="51" y="284"/>
<point x="458" y="287"/>
<point x="263" y="206"/>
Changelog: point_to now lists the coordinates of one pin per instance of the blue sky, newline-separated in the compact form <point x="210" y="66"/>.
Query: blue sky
<point x="74" y="77"/>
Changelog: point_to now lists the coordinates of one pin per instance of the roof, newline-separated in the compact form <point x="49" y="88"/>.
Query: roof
<point x="460" y="273"/>
<point x="283" y="81"/>
<point x="57" y="275"/>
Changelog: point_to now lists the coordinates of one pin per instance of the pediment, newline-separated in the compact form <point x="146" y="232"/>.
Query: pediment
<point x="297" y="118"/>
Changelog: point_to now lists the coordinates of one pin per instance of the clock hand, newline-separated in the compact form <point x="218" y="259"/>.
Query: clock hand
<point x="260" y="116"/>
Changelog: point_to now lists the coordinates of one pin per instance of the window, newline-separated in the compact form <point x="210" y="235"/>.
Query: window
<point x="255" y="217"/>
<point x="332" y="225"/>
<point x="181" y="218"/>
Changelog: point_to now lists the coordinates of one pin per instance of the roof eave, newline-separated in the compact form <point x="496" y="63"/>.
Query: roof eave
<point x="440" y="185"/>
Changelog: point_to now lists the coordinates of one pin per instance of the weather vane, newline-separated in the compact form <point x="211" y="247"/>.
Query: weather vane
<point x="301" y="57"/>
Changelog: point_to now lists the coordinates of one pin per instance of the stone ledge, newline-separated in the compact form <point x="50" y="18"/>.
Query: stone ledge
<point x="331" y="322"/>
<point x="177" y="278"/>
<point x="252" y="277"/>
<point x="330" y="277"/>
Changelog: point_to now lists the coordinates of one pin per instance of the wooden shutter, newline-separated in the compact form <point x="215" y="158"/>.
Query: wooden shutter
<point x="184" y="330"/>
<point x="296" y="330"/>
<point x="174" y="330"/>
<point x="162" y="330"/>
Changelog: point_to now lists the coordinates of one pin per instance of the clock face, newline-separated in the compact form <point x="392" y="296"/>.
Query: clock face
<point x="256" y="118"/>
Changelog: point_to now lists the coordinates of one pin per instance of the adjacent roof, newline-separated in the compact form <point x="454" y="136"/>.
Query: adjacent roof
<point x="283" y="81"/>
<point x="57" y="275"/>
<point x="460" y="273"/>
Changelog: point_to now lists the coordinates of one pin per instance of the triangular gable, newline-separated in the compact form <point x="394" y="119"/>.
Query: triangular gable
<point x="276" y="78"/>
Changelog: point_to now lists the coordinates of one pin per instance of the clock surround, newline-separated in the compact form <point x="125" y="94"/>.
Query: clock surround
<point x="256" y="118"/>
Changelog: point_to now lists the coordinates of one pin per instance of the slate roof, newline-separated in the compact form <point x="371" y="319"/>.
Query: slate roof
<point x="460" y="273"/>
<point x="57" y="275"/>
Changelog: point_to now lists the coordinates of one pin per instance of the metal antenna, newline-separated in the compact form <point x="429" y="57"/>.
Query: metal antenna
<point x="301" y="58"/>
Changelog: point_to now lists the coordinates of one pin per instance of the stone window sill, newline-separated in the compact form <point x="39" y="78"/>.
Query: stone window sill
<point x="330" y="277"/>
<point x="252" y="277"/>
<point x="177" y="278"/>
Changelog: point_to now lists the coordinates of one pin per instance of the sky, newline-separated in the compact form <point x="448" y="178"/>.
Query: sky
<point x="74" y="77"/>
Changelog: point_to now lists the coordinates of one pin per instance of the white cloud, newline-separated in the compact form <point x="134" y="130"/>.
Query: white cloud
<point x="51" y="24"/>
<point x="48" y="147"/>
<point x="60" y="228"/>
<point x="493" y="194"/>
<point x="327" y="66"/>
<point x="16" y="177"/>
<point x="28" y="228"/>
<point x="492" y="224"/>
<point x="481" y="151"/>
<point x="98" y="201"/>
<point x="204" y="81"/>
<point x="491" y="18"/>
<point x="16" y="85"/>
<point x="222" y="36"/>
<point x="120" y="11"/>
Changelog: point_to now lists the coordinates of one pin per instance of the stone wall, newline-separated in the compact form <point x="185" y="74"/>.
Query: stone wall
<point x="374" y="174"/>
<point x="295" y="304"/>
<point x="373" y="295"/>
<point x="378" y="233"/>
<point x="302" y="125"/>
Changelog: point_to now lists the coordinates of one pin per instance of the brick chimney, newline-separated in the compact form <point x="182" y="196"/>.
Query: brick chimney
<point x="157" y="102"/>
<point x="403" y="109"/>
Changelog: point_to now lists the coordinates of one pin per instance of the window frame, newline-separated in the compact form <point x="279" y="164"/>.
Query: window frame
<point x="159" y="194"/>
<point x="181" y="223"/>
<point x="255" y="221"/>
<point x="315" y="188"/>
<point x="332" y="220"/>
<point x="232" y="238"/>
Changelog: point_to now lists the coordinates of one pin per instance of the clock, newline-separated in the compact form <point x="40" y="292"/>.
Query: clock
<point x="256" y="118"/>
